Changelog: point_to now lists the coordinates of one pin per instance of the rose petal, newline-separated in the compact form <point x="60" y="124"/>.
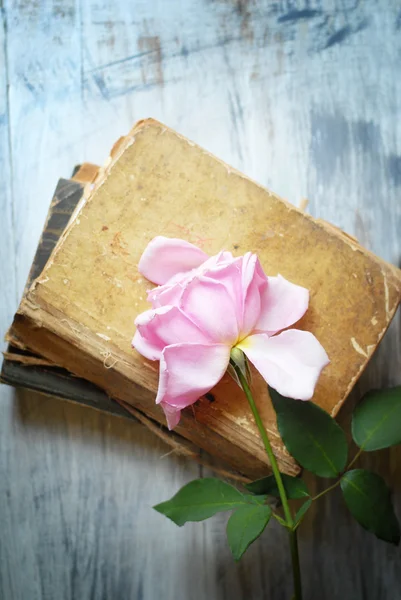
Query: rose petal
<point x="229" y="274"/>
<point x="217" y="261"/>
<point x="187" y="371"/>
<point x="162" y="327"/>
<point x="170" y="293"/>
<point x="224" y="257"/>
<point x="282" y="304"/>
<point x="211" y="307"/>
<point x="165" y="257"/>
<point x="172" y="414"/>
<point x="165" y="295"/>
<point x="290" y="362"/>
<point x="146" y="347"/>
<point x="254" y="282"/>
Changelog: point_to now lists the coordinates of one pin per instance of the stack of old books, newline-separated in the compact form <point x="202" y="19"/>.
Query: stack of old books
<point x="71" y="336"/>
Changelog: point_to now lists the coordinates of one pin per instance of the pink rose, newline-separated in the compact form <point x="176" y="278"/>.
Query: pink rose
<point x="205" y="306"/>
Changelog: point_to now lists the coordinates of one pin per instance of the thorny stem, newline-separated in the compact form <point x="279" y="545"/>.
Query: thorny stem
<point x="279" y="481"/>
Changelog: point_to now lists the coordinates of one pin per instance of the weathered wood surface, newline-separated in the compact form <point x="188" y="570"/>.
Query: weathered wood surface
<point x="303" y="97"/>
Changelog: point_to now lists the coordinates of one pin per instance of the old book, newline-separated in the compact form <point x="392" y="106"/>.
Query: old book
<point x="23" y="368"/>
<point x="79" y="313"/>
<point x="65" y="199"/>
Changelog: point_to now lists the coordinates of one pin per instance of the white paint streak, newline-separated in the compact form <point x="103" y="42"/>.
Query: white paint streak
<point x="358" y="348"/>
<point x="104" y="337"/>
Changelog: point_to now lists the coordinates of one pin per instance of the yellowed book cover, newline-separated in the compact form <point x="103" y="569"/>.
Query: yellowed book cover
<point x="80" y="313"/>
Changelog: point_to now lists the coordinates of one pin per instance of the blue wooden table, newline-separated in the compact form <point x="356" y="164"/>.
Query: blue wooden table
<point x="304" y="97"/>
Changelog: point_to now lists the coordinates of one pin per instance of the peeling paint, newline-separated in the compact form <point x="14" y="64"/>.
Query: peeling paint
<point x="358" y="348"/>
<point x="104" y="337"/>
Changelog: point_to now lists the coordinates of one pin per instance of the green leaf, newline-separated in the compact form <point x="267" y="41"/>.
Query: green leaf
<point x="294" y="487"/>
<point x="251" y="499"/>
<point x="201" y="499"/>
<point x="376" y="422"/>
<point x="245" y="525"/>
<point x="310" y="435"/>
<point x="368" y="499"/>
<point x="302" y="511"/>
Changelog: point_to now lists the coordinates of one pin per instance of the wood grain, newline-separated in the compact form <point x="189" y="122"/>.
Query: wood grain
<point x="303" y="97"/>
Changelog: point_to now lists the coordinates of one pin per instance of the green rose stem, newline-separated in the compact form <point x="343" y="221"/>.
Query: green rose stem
<point x="277" y="475"/>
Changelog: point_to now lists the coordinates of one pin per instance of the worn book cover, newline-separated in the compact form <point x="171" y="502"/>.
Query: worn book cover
<point x="22" y="368"/>
<point x="79" y="313"/>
